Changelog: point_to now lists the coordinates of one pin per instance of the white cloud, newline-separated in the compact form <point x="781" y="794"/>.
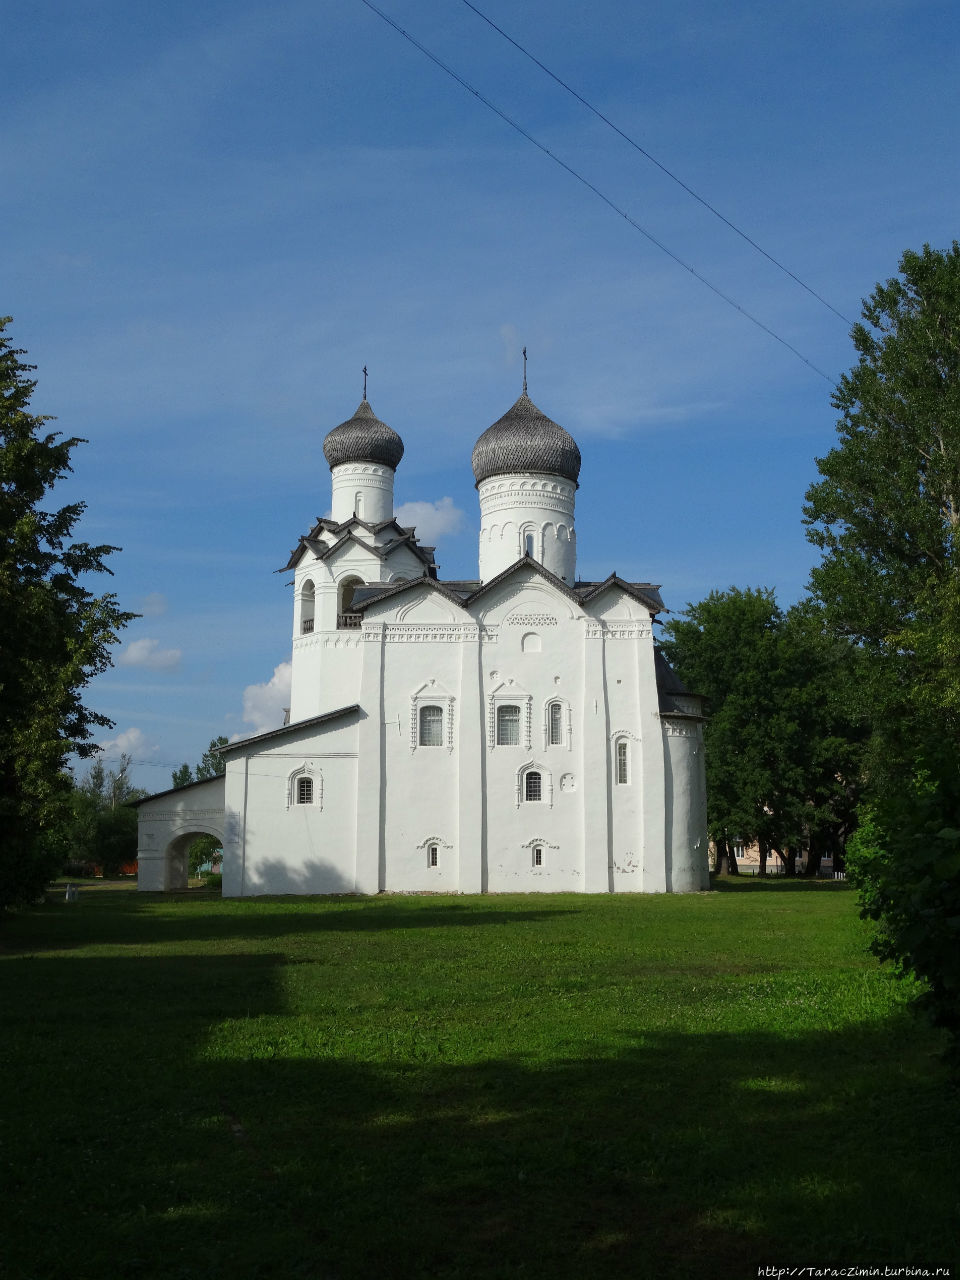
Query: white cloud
<point x="433" y="520"/>
<point x="264" y="704"/>
<point x="132" y="741"/>
<point x="147" y="653"/>
<point x="154" y="604"/>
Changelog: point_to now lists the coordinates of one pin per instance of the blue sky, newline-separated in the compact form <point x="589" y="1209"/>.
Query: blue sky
<point x="216" y="214"/>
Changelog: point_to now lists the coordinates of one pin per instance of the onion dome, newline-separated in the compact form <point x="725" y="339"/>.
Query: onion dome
<point x="525" y="439"/>
<point x="363" y="438"/>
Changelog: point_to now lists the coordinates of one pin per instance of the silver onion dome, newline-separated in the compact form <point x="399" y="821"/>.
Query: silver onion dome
<point x="525" y="439"/>
<point x="363" y="438"/>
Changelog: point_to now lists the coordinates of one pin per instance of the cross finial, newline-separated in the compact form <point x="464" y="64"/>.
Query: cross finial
<point x="524" y="370"/>
<point x="364" y="382"/>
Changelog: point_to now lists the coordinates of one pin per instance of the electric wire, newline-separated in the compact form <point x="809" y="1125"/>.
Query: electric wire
<point x="653" y="160"/>
<point x="596" y="190"/>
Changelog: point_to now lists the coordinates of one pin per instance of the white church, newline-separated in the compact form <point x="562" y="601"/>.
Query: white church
<point x="519" y="732"/>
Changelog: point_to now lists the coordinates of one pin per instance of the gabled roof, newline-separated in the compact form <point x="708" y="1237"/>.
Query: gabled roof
<point x="387" y="590"/>
<point x="296" y="727"/>
<point x="322" y="550"/>
<point x="465" y="593"/>
<point x="645" y="593"/>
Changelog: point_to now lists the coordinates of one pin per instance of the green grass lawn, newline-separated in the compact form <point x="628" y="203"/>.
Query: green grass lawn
<point x="549" y="1086"/>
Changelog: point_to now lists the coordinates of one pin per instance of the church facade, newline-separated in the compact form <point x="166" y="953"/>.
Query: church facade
<point x="518" y="732"/>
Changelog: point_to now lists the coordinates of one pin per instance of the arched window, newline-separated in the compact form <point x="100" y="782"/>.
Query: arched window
<point x="346" y="616"/>
<point x="358" y="504"/>
<point x="508" y="725"/>
<point x="532" y="786"/>
<point x="623" y="761"/>
<point x="308" y="601"/>
<point x="528" y="544"/>
<point x="304" y="790"/>
<point x="431" y="726"/>
<point x="556" y="724"/>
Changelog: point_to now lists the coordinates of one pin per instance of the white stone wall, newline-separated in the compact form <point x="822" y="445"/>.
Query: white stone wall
<point x="363" y="489"/>
<point x="277" y="845"/>
<point x="326" y="660"/>
<point x="687" y="867"/>
<point x="166" y="828"/>
<point x="524" y="511"/>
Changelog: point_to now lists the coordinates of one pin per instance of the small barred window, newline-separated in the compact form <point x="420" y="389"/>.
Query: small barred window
<point x="508" y="726"/>
<point x="622" y="762"/>
<point x="431" y="726"/>
<point x="533" y="786"/>
<point x="304" y="791"/>
<point x="556" y="724"/>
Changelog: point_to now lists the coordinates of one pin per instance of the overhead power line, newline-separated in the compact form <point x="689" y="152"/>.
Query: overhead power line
<point x="653" y="160"/>
<point x="596" y="190"/>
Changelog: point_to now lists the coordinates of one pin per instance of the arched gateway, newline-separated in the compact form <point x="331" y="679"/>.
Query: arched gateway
<point x="169" y="823"/>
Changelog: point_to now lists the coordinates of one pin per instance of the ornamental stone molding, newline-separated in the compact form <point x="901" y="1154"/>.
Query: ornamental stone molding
<point x="675" y="729"/>
<point x="180" y="815"/>
<point x="530" y="620"/>
<point x="439" y="632"/>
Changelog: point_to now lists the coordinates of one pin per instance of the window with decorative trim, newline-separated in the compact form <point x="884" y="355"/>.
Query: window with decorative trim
<point x="534" y="785"/>
<point x="431" y="717"/>
<point x="431" y="725"/>
<point x="510" y="717"/>
<point x="555" y="720"/>
<point x="305" y="786"/>
<point x="538" y="856"/>
<point x="508" y="725"/>
<point x="433" y="856"/>
<point x="622" y="773"/>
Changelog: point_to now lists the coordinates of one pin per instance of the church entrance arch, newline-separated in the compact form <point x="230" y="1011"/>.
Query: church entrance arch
<point x="176" y="855"/>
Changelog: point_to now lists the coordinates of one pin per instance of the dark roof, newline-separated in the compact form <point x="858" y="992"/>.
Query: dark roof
<point x="525" y="439"/>
<point x="645" y="593"/>
<point x="529" y="563"/>
<point x="346" y="534"/>
<point x="296" y="727"/>
<point x="363" y="438"/>
<point x="669" y="686"/>
<point x="466" y="592"/>
<point x="373" y="593"/>
<point x="134" y="804"/>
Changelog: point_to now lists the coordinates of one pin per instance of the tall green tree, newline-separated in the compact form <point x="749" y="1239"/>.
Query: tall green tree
<point x="886" y="517"/>
<point x="102" y="829"/>
<point x="212" y="765"/>
<point x="781" y="755"/>
<point x="56" y="637"/>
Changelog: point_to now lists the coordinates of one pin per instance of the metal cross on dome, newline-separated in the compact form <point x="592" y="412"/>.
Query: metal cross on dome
<point x="364" y="382"/>
<point x="524" y="370"/>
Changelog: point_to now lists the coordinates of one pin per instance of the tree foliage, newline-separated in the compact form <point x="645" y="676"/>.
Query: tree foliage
<point x="101" y="831"/>
<point x="56" y="636"/>
<point x="781" y="753"/>
<point x="212" y="765"/>
<point x="886" y="516"/>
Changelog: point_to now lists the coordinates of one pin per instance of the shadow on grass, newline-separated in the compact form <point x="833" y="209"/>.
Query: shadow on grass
<point x="196" y="915"/>
<point x="778" y="884"/>
<point x="145" y="1147"/>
